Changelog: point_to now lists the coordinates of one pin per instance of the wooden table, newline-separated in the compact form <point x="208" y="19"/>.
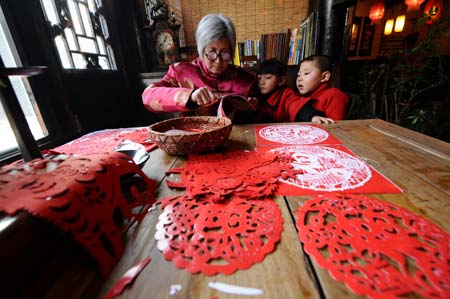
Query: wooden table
<point x="418" y="164"/>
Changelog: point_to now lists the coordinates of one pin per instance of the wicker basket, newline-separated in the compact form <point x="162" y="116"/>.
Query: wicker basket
<point x="191" y="135"/>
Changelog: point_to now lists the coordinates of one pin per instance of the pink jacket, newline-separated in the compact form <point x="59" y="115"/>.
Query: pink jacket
<point x="173" y="91"/>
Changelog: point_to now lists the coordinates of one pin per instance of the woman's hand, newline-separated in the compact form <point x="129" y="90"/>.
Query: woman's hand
<point x="202" y="96"/>
<point x="322" y="120"/>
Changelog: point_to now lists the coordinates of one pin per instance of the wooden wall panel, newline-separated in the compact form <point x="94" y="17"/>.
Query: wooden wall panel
<point x="251" y="18"/>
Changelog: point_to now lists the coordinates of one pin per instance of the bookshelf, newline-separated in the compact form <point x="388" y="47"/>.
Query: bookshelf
<point x="290" y="46"/>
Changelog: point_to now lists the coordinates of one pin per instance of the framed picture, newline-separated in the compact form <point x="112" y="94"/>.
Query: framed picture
<point x="366" y="37"/>
<point x="354" y="33"/>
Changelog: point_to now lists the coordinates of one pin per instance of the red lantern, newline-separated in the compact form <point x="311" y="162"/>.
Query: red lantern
<point x="376" y="12"/>
<point x="413" y="4"/>
<point x="433" y="10"/>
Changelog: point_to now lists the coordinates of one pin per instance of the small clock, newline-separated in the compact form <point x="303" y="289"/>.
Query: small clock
<point x="162" y="37"/>
<point x="165" y="47"/>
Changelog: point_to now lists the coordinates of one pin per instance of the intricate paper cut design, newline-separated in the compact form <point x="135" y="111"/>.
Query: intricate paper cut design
<point x="293" y="134"/>
<point x="250" y="175"/>
<point x="203" y="236"/>
<point x="329" y="169"/>
<point x="376" y="248"/>
<point x="105" y="141"/>
<point x="79" y="194"/>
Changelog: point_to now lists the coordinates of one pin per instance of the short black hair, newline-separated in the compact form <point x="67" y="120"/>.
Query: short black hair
<point x="323" y="62"/>
<point x="272" y="66"/>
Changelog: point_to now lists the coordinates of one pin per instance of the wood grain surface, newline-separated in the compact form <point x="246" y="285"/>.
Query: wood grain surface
<point x="418" y="164"/>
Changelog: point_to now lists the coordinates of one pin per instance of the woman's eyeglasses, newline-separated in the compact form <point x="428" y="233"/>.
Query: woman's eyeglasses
<point x="212" y="55"/>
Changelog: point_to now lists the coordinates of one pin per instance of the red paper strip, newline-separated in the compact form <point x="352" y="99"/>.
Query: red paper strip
<point x="127" y="278"/>
<point x="105" y="141"/>
<point x="81" y="195"/>
<point x="276" y="135"/>
<point x="250" y="175"/>
<point x="203" y="236"/>
<point x="330" y="168"/>
<point x="376" y="248"/>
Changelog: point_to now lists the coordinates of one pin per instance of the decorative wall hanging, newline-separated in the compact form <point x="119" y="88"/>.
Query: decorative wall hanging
<point x="293" y="134"/>
<point x="330" y="168"/>
<point x="433" y="10"/>
<point x="250" y="175"/>
<point x="105" y="141"/>
<point x="81" y="195"/>
<point x="376" y="248"/>
<point x="208" y="237"/>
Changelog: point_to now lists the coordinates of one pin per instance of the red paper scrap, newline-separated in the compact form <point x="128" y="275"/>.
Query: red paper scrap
<point x="82" y="195"/>
<point x="276" y="135"/>
<point x="250" y="175"/>
<point x="208" y="237"/>
<point x="322" y="169"/>
<point x="106" y="141"/>
<point x="127" y="278"/>
<point x="376" y="248"/>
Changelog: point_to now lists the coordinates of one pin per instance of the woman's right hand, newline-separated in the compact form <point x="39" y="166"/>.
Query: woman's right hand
<point x="202" y="96"/>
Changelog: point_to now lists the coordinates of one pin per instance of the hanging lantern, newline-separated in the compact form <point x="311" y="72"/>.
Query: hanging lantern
<point x="376" y="12"/>
<point x="433" y="10"/>
<point x="413" y="4"/>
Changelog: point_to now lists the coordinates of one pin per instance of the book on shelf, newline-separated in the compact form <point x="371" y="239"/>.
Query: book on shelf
<point x="304" y="39"/>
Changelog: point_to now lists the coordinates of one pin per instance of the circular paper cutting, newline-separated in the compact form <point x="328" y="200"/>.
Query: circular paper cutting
<point x="294" y="134"/>
<point x="325" y="168"/>
<point x="376" y="248"/>
<point x="203" y="236"/>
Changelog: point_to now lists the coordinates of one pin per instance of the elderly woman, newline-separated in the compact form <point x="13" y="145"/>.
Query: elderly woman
<point x="190" y="85"/>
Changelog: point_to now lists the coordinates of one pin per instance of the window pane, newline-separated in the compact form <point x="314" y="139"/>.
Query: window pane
<point x="24" y="94"/>
<point x="75" y="17"/>
<point x="104" y="63"/>
<point x="104" y="27"/>
<point x="87" y="45"/>
<point x="92" y="7"/>
<point x="86" y="20"/>
<point x="63" y="52"/>
<point x="50" y="11"/>
<point x="101" y="45"/>
<point x="71" y="39"/>
<point x="79" y="36"/>
<point x="79" y="61"/>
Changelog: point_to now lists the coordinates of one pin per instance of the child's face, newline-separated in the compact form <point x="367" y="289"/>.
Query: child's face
<point x="268" y="82"/>
<point x="309" y="77"/>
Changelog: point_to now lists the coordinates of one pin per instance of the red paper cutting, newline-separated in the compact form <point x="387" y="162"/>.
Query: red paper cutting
<point x="376" y="248"/>
<point x="81" y="195"/>
<point x="127" y="279"/>
<point x="105" y="141"/>
<point x="208" y="237"/>
<point x="330" y="168"/>
<point x="276" y="135"/>
<point x="250" y="175"/>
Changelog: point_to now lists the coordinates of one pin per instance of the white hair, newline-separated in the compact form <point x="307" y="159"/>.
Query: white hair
<point x="214" y="27"/>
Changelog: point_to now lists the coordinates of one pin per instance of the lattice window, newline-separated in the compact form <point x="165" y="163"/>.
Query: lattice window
<point x="80" y="33"/>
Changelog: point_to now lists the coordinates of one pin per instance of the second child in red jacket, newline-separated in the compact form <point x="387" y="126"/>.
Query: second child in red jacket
<point x="279" y="103"/>
<point x="313" y="84"/>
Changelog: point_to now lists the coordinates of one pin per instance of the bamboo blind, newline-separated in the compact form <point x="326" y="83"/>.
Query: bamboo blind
<point x="251" y="18"/>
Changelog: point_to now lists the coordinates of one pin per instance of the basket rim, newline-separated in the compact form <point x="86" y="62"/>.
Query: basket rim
<point x="227" y="123"/>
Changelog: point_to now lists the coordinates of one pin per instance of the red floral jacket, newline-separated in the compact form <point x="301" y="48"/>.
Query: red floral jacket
<point x="173" y="91"/>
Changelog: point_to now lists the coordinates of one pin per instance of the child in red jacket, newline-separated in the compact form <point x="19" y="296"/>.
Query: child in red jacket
<point x="279" y="103"/>
<point x="312" y="84"/>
